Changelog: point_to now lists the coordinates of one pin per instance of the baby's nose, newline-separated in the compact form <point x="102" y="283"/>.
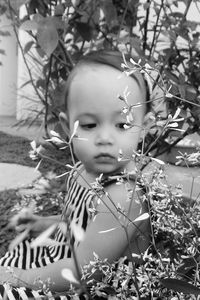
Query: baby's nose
<point x="104" y="137"/>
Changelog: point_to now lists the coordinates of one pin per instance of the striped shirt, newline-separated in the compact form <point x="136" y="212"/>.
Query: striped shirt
<point x="76" y="210"/>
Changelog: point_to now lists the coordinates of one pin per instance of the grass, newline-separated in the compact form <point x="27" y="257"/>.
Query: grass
<point x="16" y="150"/>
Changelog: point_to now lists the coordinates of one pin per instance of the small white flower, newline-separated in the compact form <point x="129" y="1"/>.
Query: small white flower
<point x="169" y="95"/>
<point x="142" y="217"/>
<point x="78" y="232"/>
<point x="133" y="62"/>
<point x="56" y="138"/>
<point x="177" y="113"/>
<point x="34" y="153"/>
<point x="148" y="67"/>
<point x="127" y="126"/>
<point x="135" y="255"/>
<point x="125" y="110"/>
<point x="120" y="157"/>
<point x="69" y="276"/>
<point x="172" y="125"/>
<point x="108" y="230"/>
<point x="129" y="117"/>
<point x="54" y="133"/>
<point x="158" y="160"/>
<point x="74" y="132"/>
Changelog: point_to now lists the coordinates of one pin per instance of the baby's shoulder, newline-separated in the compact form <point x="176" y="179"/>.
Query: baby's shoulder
<point x="120" y="190"/>
<point x="120" y="196"/>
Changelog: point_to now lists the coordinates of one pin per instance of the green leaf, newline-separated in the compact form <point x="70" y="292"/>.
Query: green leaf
<point x="38" y="18"/>
<point x="59" y="10"/>
<point x="47" y="36"/>
<point x="58" y="23"/>
<point x="63" y="73"/>
<point x="171" y="76"/>
<point x="188" y="264"/>
<point x="177" y="14"/>
<point x="29" y="25"/>
<point x="3" y="9"/>
<point x="41" y="83"/>
<point x="191" y="93"/>
<point x="69" y="276"/>
<point x="110" y="12"/>
<point x="40" y="51"/>
<point x="172" y="35"/>
<point x="142" y="217"/>
<point x="17" y="3"/>
<point x="28" y="46"/>
<point x="84" y="30"/>
<point x="4" y="33"/>
<point x="180" y="286"/>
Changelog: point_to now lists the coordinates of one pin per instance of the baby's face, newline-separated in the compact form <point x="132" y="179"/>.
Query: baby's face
<point x="94" y="102"/>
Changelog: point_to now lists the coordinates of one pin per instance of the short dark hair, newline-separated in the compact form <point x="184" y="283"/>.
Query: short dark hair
<point x="110" y="58"/>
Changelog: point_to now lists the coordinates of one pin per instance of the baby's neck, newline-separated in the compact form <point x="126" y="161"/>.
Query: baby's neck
<point x="87" y="178"/>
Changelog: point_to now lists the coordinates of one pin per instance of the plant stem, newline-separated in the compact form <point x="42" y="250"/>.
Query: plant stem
<point x="46" y="98"/>
<point x="133" y="264"/>
<point x="122" y="20"/>
<point x="155" y="29"/>
<point x="146" y="25"/>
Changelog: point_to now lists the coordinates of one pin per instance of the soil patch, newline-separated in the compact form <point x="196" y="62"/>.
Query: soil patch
<point x="16" y="150"/>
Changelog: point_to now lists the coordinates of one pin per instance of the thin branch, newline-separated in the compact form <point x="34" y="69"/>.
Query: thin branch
<point x="122" y="20"/>
<point x="46" y="98"/>
<point x="146" y="25"/>
<point x="155" y="28"/>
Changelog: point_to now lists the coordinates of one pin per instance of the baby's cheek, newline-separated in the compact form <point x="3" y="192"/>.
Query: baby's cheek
<point x="76" y="147"/>
<point x="80" y="148"/>
<point x="129" y="146"/>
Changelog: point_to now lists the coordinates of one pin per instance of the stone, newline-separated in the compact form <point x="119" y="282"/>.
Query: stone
<point x="14" y="176"/>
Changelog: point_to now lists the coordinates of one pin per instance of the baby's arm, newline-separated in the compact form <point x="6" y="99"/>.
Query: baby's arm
<point x="111" y="232"/>
<point x="37" y="224"/>
<point x="32" y="278"/>
<point x="107" y="235"/>
<point x="40" y="224"/>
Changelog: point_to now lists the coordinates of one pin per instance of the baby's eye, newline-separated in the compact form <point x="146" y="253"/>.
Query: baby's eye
<point x="123" y="125"/>
<point x="88" y="126"/>
<point x="120" y="125"/>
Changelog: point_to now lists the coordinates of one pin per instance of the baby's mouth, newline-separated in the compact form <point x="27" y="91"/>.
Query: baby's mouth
<point x="105" y="158"/>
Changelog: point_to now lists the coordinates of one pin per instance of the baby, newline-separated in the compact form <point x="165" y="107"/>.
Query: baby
<point x="108" y="108"/>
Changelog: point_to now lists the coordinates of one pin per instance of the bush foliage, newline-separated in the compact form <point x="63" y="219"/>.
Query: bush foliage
<point x="165" y="47"/>
<point x="157" y="32"/>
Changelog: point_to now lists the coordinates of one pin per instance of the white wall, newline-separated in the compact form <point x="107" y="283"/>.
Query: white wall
<point x="8" y="70"/>
<point x="28" y="102"/>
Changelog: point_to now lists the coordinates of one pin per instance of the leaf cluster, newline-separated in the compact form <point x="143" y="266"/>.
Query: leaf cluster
<point x="170" y="267"/>
<point x="157" y="32"/>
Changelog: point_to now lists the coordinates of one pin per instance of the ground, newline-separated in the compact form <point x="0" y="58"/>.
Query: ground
<point x="15" y="150"/>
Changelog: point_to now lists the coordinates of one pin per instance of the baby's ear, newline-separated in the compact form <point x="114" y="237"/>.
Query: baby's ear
<point x="64" y="122"/>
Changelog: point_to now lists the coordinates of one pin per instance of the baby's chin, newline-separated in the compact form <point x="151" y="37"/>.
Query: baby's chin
<point x="108" y="170"/>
